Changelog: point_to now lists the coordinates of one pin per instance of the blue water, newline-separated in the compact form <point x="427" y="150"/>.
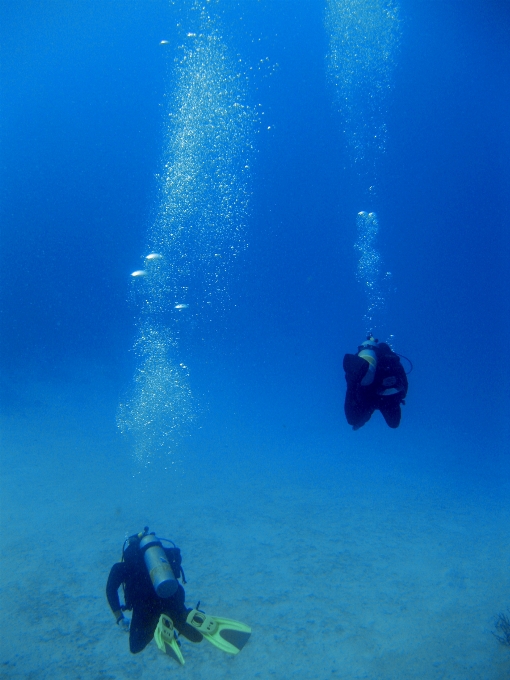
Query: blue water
<point x="86" y="92"/>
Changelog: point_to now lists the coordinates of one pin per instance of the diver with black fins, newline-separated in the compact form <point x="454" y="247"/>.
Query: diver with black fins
<point x="149" y="574"/>
<point x="376" y="380"/>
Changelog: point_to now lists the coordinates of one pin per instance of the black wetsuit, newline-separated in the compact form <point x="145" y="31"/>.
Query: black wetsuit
<point x="386" y="393"/>
<point x="140" y="596"/>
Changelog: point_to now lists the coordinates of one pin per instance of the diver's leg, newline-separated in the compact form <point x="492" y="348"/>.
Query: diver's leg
<point x="391" y="413"/>
<point x="364" y="418"/>
<point x="357" y="410"/>
<point x="176" y="610"/>
<point x="141" y="630"/>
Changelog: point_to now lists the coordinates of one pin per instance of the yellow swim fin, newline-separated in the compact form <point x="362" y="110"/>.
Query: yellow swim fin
<point x="229" y="636"/>
<point x="165" y="638"/>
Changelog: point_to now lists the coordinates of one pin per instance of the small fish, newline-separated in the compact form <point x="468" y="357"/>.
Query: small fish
<point x="181" y="306"/>
<point x="164" y="42"/>
<point x="139" y="272"/>
<point x="154" y="256"/>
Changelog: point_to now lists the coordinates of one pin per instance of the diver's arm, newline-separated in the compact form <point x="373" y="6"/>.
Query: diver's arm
<point x="355" y="368"/>
<point x="117" y="576"/>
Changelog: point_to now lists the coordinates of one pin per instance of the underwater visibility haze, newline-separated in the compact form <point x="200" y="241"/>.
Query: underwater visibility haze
<point x="205" y="205"/>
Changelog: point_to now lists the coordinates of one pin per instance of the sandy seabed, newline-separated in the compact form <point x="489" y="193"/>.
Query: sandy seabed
<point x="348" y="574"/>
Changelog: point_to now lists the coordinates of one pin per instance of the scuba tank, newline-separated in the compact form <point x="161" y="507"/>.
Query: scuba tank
<point x="367" y="352"/>
<point x="159" y="568"/>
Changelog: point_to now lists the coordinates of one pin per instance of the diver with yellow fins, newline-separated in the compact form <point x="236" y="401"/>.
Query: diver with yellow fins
<point x="375" y="380"/>
<point x="149" y="573"/>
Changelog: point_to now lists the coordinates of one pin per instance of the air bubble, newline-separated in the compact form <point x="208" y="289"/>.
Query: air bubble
<point x="197" y="232"/>
<point x="364" y="37"/>
<point x="369" y="266"/>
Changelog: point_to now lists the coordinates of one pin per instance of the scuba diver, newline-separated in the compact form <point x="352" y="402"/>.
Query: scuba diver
<point x="149" y="575"/>
<point x="375" y="380"/>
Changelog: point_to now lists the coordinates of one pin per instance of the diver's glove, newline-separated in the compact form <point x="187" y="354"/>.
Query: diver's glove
<point x="124" y="623"/>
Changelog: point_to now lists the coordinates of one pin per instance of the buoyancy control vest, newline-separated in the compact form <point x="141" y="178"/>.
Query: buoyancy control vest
<point x="392" y="378"/>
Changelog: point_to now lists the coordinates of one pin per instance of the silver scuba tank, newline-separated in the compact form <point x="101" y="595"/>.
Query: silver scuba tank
<point x="159" y="568"/>
<point x="367" y="352"/>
